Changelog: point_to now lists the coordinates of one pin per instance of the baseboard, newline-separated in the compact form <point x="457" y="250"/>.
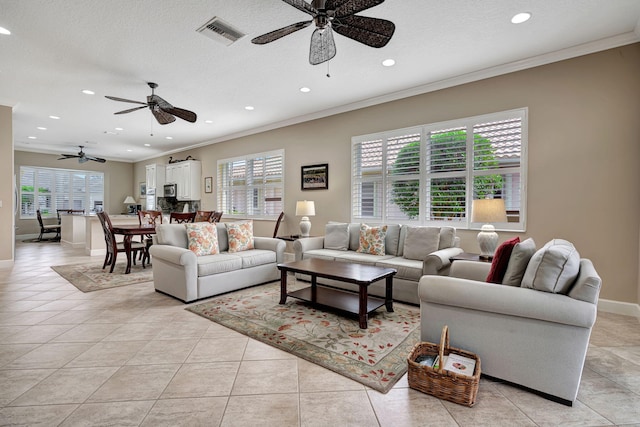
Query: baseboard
<point x="617" y="307"/>
<point x="6" y="263"/>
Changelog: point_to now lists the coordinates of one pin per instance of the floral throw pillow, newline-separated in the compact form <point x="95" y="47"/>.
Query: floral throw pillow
<point x="240" y="236"/>
<point x="372" y="239"/>
<point x="202" y="238"/>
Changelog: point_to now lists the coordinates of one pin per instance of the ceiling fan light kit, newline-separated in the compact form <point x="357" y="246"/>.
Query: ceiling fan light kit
<point x="339" y="16"/>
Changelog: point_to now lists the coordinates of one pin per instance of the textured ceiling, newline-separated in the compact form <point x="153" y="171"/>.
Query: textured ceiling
<point x="58" y="48"/>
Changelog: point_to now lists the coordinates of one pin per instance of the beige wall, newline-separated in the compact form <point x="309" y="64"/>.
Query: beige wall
<point x="584" y="127"/>
<point x="6" y="185"/>
<point x="118" y="179"/>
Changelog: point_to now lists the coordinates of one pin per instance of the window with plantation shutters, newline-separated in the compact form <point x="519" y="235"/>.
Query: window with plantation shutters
<point x="429" y="174"/>
<point x="49" y="189"/>
<point x="252" y="186"/>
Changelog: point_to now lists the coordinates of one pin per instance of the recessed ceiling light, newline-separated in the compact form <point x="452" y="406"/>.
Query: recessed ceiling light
<point x="521" y="17"/>
<point x="32" y="137"/>
<point x="88" y="92"/>
<point x="129" y="150"/>
<point x="4" y="31"/>
<point x="389" y="62"/>
<point x="249" y="108"/>
<point x="41" y="128"/>
<point x="168" y="137"/>
<point x="305" y="89"/>
<point x="119" y="128"/>
<point x="54" y="117"/>
<point x="208" y="121"/>
<point x="108" y="132"/>
<point x="147" y="145"/>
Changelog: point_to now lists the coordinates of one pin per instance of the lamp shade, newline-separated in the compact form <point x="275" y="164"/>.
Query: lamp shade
<point x="305" y="208"/>
<point x="488" y="211"/>
<point x="129" y="201"/>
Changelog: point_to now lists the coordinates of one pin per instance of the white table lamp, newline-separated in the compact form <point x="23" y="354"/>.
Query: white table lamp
<point x="130" y="201"/>
<point x="488" y="211"/>
<point x="305" y="209"/>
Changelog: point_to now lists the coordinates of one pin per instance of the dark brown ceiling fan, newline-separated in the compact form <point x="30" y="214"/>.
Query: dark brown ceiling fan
<point x="81" y="156"/>
<point x="339" y="16"/>
<point x="164" y="112"/>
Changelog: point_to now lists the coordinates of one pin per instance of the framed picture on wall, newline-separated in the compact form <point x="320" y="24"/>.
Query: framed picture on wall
<point x="208" y="184"/>
<point x="315" y="177"/>
<point x="143" y="188"/>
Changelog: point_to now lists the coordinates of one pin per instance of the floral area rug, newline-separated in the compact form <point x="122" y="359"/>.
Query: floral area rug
<point x="375" y="357"/>
<point x="91" y="277"/>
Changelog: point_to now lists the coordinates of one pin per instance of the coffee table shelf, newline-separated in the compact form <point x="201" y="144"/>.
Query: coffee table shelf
<point x="348" y="302"/>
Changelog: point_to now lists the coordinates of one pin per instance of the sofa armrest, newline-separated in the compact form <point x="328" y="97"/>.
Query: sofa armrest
<point x="506" y="300"/>
<point x="438" y="262"/>
<point x="174" y="255"/>
<point x="472" y="270"/>
<point x="304" y="244"/>
<point x="271" y="244"/>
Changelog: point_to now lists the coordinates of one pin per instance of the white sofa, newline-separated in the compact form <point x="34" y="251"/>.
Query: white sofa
<point x="178" y="272"/>
<point x="332" y="246"/>
<point x="533" y="338"/>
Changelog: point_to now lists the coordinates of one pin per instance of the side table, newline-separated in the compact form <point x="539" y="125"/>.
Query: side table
<point x="466" y="256"/>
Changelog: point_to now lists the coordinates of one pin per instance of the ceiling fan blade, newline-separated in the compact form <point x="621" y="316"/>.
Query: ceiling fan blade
<point x="323" y="48"/>
<point x="302" y="6"/>
<point x="275" y="35"/>
<point x="344" y="8"/>
<point x="181" y="113"/>
<point x="130" y="110"/>
<point x="95" y="159"/>
<point x="162" y="117"/>
<point x="124" y="100"/>
<point x="155" y="99"/>
<point x="67" y="156"/>
<point x="373" y="32"/>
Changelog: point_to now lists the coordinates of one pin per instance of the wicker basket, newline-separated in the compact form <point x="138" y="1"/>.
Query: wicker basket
<point x="443" y="384"/>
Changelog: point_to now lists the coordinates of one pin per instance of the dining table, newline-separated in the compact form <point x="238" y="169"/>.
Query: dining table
<point x="129" y="231"/>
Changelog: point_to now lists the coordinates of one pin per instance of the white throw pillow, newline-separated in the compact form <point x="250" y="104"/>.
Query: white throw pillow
<point x="553" y="268"/>
<point x="518" y="261"/>
<point x="336" y="236"/>
<point x="420" y="242"/>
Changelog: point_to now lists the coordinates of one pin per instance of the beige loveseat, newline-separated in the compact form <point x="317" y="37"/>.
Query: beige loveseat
<point x="534" y="333"/>
<point x="178" y="272"/>
<point x="425" y="252"/>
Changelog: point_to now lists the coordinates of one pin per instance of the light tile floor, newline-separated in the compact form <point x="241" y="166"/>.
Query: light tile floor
<point x="130" y="356"/>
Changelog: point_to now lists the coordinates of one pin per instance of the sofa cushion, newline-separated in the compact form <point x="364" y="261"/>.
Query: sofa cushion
<point x="392" y="239"/>
<point x="447" y="238"/>
<point x="202" y="238"/>
<point x="255" y="257"/>
<point x="240" y="236"/>
<point x="372" y="239"/>
<point x="359" y="258"/>
<point x="336" y="236"/>
<point x="408" y="269"/>
<point x="420" y="242"/>
<point x="223" y="237"/>
<point x="220" y="263"/>
<point x="518" y="261"/>
<point x="329" y="254"/>
<point x="354" y="236"/>
<point x="501" y="260"/>
<point x="553" y="268"/>
<point x="172" y="234"/>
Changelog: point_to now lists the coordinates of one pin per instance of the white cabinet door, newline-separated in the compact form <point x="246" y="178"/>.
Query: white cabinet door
<point x="151" y="176"/>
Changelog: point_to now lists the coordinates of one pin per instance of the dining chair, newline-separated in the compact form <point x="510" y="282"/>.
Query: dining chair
<point x="203" y="216"/>
<point x="152" y="218"/>
<point x="113" y="247"/>
<point x="47" y="228"/>
<point x="181" y="217"/>
<point x="278" y="221"/>
<point x="217" y="215"/>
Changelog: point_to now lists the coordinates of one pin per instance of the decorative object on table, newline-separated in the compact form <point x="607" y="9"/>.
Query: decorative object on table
<point x="208" y="184"/>
<point x="438" y="382"/>
<point x="81" y="156"/>
<point x="305" y="209"/>
<point x="143" y="188"/>
<point x="488" y="211"/>
<point x="161" y="109"/>
<point x="339" y="16"/>
<point x="91" y="277"/>
<point x="314" y="177"/>
<point x="131" y="204"/>
<point x="375" y="357"/>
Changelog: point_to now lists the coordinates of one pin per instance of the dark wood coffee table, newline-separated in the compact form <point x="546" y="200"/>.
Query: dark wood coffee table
<point x="362" y="275"/>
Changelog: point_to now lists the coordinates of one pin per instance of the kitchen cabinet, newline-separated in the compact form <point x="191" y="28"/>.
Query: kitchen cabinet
<point x="187" y="176"/>
<point x="155" y="177"/>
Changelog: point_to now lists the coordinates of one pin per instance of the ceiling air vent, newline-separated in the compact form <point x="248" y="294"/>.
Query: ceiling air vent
<point x="218" y="30"/>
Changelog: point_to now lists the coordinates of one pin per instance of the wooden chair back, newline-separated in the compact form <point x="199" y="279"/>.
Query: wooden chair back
<point x="155" y="217"/>
<point x="107" y="228"/>
<point x="275" y="231"/>
<point x="217" y="215"/>
<point x="203" y="216"/>
<point x="181" y="217"/>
